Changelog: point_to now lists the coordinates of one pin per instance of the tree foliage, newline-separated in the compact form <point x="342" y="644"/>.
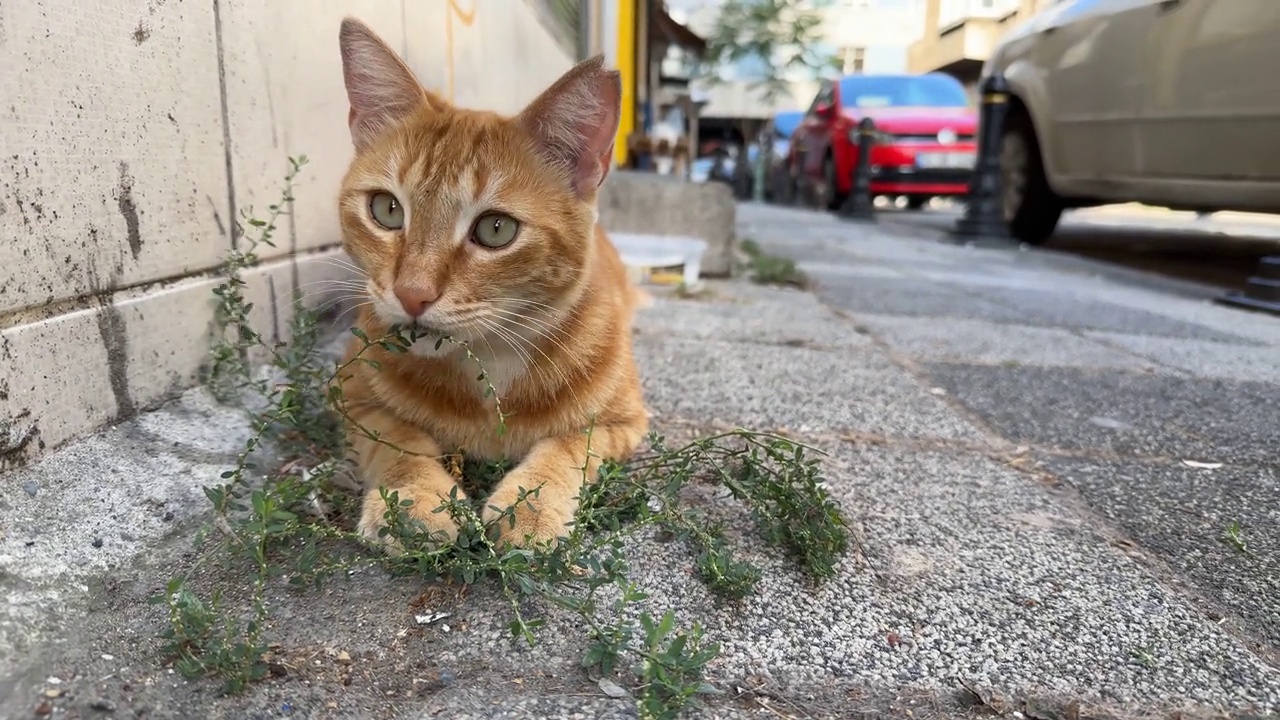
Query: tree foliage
<point x="783" y="34"/>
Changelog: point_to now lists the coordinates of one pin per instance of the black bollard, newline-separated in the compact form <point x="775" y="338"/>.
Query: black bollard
<point x="859" y="205"/>
<point x="1262" y="291"/>
<point x="983" y="214"/>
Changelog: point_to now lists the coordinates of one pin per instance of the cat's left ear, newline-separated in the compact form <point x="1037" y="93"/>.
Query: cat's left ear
<point x="575" y="121"/>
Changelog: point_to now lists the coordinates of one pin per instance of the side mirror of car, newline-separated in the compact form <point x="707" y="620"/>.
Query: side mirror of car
<point x="824" y="110"/>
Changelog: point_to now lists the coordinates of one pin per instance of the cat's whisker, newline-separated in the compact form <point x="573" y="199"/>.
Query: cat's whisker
<point x="551" y="364"/>
<point x="336" y="283"/>
<point x="516" y="318"/>
<point x="353" y="307"/>
<point x="349" y="277"/>
<point x="346" y="264"/>
<point x="477" y="325"/>
<point x="513" y="341"/>
<point x="506" y="337"/>
<point x="554" y="315"/>
<point x="522" y="301"/>
<point x="330" y="293"/>
<point x="549" y="327"/>
<point x="541" y="330"/>
<point x="548" y="331"/>
<point x="334" y="300"/>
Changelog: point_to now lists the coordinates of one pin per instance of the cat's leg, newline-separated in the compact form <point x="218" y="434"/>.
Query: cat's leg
<point x="404" y="459"/>
<point x="558" y="468"/>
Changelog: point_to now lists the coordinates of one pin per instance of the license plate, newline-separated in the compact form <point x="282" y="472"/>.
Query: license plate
<point x="946" y="160"/>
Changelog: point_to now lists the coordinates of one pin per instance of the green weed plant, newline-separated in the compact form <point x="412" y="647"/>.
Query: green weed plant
<point x="264" y="515"/>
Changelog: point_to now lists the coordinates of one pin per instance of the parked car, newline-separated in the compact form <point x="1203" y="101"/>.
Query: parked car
<point x="1164" y="102"/>
<point x="924" y="142"/>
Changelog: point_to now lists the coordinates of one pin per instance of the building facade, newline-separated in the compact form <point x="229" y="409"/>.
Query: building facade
<point x="872" y="36"/>
<point x="959" y="35"/>
<point x="654" y="54"/>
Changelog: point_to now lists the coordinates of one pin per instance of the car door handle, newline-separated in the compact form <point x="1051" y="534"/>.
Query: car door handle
<point x="1169" y="4"/>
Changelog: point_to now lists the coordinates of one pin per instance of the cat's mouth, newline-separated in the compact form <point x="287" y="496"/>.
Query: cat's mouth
<point x="416" y="330"/>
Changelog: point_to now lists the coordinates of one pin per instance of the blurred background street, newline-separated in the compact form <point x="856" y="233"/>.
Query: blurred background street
<point x="1011" y="266"/>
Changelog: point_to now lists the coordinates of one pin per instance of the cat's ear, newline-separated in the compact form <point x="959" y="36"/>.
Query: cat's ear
<point x="380" y="86"/>
<point x="574" y="122"/>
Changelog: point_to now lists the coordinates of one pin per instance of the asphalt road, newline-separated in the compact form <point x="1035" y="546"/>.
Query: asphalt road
<point x="1219" y="250"/>
<point x="1156" y="408"/>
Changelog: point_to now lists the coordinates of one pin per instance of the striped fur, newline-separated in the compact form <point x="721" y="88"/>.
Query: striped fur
<point x="548" y="317"/>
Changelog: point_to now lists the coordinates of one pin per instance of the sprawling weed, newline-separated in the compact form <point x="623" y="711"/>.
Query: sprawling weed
<point x="291" y="519"/>
<point x="767" y="269"/>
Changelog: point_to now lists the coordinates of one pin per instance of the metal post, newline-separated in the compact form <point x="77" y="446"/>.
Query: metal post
<point x="983" y="214"/>
<point x="859" y="205"/>
<point x="1262" y="291"/>
<point x="758" y="170"/>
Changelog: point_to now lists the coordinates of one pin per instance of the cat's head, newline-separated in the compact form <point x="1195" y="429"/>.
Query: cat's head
<point x="464" y="220"/>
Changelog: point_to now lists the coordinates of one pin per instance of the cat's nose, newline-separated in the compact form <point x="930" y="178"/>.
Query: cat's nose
<point x="415" y="299"/>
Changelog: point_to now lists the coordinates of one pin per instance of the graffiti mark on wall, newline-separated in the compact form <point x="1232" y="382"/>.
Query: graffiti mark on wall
<point x="467" y="18"/>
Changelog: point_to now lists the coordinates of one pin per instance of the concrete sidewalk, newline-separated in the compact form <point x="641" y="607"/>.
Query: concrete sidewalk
<point x="1007" y="434"/>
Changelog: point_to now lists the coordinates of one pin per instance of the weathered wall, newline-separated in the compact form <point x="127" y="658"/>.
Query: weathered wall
<point x="648" y="203"/>
<point x="134" y="133"/>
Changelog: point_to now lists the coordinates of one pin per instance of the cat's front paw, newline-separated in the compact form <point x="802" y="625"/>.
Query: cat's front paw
<point x="537" y="520"/>
<point x="421" y="515"/>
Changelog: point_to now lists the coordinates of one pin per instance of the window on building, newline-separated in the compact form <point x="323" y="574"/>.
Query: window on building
<point x="855" y="60"/>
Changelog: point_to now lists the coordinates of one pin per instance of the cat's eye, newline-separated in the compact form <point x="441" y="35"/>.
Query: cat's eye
<point x="495" y="230"/>
<point x="386" y="211"/>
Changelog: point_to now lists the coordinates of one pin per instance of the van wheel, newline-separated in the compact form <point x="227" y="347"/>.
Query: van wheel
<point x="1031" y="209"/>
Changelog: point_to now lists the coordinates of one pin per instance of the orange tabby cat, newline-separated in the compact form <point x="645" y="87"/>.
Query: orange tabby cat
<point x="483" y="228"/>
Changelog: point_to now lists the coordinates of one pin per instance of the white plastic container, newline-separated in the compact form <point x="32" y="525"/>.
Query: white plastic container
<point x="645" y="253"/>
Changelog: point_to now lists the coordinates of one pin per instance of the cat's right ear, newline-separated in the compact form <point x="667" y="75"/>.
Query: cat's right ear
<point x="380" y="87"/>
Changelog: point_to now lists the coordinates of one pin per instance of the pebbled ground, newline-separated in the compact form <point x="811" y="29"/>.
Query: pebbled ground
<point x="1007" y="435"/>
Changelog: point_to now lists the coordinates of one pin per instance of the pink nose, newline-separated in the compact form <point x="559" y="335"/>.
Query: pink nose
<point x="415" y="299"/>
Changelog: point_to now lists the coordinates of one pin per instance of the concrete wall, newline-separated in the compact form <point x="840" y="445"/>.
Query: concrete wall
<point x="133" y="133"/>
<point x="652" y="204"/>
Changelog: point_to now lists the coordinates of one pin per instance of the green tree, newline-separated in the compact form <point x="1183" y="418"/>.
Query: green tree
<point x="783" y="37"/>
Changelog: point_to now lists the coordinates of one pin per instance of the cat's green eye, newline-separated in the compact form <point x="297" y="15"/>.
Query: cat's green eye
<point x="386" y="211"/>
<point x="495" y="230"/>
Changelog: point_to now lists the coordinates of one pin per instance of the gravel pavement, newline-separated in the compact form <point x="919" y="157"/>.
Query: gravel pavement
<point x="1039" y="462"/>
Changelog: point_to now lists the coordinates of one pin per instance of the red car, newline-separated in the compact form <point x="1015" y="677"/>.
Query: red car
<point x="925" y="137"/>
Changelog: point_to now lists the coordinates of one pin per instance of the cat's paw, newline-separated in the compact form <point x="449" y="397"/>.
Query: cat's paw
<point x="440" y="526"/>
<point x="537" y="520"/>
